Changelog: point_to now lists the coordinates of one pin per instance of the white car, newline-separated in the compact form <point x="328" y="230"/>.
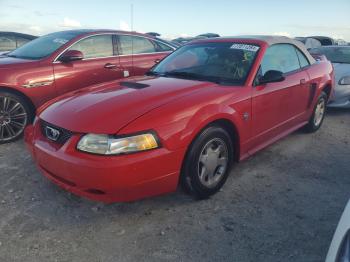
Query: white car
<point x="339" y="250"/>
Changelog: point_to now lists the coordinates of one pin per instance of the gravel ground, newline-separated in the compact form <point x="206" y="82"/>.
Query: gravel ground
<point x="283" y="204"/>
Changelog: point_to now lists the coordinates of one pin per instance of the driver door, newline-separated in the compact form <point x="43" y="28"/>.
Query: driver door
<point x="272" y="103"/>
<point x="100" y="64"/>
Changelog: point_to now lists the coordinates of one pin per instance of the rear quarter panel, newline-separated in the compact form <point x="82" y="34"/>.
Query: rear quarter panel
<point x="321" y="75"/>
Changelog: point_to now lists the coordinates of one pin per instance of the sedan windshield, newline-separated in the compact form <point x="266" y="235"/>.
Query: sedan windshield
<point x="43" y="46"/>
<point x="335" y="54"/>
<point x="219" y="62"/>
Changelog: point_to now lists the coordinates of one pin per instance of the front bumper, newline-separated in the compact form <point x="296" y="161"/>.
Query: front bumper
<point x="105" y="178"/>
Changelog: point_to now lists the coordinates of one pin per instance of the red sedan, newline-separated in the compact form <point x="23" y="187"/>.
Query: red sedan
<point x="207" y="105"/>
<point x="65" y="61"/>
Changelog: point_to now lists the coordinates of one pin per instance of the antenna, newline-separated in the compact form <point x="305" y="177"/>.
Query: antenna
<point x="132" y="16"/>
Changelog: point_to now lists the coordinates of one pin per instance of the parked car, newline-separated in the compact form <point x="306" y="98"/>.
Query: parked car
<point x="157" y="36"/>
<point x="61" y="62"/>
<point x="184" y="40"/>
<point x="11" y="40"/>
<point x="309" y="42"/>
<point x="325" y="40"/>
<point x="205" y="106"/>
<point x="340" y="58"/>
<point x="339" y="250"/>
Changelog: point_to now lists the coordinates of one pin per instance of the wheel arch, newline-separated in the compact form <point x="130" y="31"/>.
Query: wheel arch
<point x="328" y="90"/>
<point x="22" y="95"/>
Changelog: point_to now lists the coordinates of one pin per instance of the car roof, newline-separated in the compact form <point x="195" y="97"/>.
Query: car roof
<point x="332" y="46"/>
<point x="267" y="39"/>
<point x="27" y="36"/>
<point x="101" y="31"/>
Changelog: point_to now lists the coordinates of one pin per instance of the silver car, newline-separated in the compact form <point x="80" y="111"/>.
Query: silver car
<point x="339" y="250"/>
<point x="340" y="58"/>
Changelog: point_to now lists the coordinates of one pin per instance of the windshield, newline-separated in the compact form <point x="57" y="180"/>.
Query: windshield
<point x="220" y="62"/>
<point x="334" y="54"/>
<point x="43" y="46"/>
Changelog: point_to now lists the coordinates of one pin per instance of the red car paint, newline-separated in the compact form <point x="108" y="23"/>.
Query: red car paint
<point x="60" y="78"/>
<point x="177" y="110"/>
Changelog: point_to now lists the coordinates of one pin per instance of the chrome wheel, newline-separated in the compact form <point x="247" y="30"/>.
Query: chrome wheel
<point x="319" y="111"/>
<point x="213" y="162"/>
<point x="13" y="118"/>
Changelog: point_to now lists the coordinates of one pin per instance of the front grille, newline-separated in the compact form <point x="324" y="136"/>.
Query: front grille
<point x="64" y="134"/>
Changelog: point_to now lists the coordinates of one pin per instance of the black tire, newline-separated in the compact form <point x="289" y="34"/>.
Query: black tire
<point x="314" y="122"/>
<point x="15" y="114"/>
<point x="192" y="181"/>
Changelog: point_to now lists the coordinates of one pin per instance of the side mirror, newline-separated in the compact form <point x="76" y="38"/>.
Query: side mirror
<point x="271" y="76"/>
<point x="71" y="55"/>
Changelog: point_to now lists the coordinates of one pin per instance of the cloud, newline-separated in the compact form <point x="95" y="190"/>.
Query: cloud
<point x="70" y="23"/>
<point x="124" y="26"/>
<point x="36" y="29"/>
<point x="282" y="34"/>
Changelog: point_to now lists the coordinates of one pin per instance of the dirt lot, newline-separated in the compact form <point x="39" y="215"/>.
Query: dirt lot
<point x="283" y="204"/>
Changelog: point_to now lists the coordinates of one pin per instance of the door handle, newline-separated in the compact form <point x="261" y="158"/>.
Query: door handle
<point x="110" y="66"/>
<point x="302" y="81"/>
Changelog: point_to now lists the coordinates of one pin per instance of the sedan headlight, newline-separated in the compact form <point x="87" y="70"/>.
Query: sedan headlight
<point x="110" y="145"/>
<point x="344" y="80"/>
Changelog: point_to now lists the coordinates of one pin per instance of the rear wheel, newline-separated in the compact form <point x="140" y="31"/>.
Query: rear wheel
<point x="208" y="162"/>
<point x="318" y="115"/>
<point x="14" y="116"/>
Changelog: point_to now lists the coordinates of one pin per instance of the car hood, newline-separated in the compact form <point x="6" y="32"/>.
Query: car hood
<point x="107" y="108"/>
<point x="6" y="62"/>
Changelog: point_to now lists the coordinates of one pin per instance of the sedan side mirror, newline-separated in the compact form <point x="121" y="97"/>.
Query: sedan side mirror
<point x="71" y="55"/>
<point x="271" y="76"/>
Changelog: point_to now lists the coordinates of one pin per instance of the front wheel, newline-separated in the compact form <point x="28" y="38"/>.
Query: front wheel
<point x="207" y="162"/>
<point x="14" y="116"/>
<point x="318" y="114"/>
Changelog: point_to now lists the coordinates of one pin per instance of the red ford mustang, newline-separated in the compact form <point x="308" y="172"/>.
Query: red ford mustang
<point x="205" y="106"/>
<point x="65" y="61"/>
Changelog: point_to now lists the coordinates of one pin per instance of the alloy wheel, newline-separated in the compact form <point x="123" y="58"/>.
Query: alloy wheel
<point x="319" y="111"/>
<point x="213" y="162"/>
<point x="13" y="118"/>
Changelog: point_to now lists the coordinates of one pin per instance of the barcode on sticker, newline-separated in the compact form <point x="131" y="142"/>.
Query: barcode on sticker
<point x="252" y="48"/>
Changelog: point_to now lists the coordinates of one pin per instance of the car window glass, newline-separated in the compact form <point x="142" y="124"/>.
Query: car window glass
<point x="230" y="62"/>
<point x="135" y="45"/>
<point x="21" y="41"/>
<point x="302" y="59"/>
<point x="7" y="43"/>
<point x="280" y="57"/>
<point x="163" y="47"/>
<point x="95" y="46"/>
<point x="44" y="46"/>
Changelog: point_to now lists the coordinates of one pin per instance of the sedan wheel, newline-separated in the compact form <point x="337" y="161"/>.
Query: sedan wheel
<point x="213" y="162"/>
<point x="207" y="162"/>
<point x="318" y="115"/>
<point x="320" y="111"/>
<point x="13" y="118"/>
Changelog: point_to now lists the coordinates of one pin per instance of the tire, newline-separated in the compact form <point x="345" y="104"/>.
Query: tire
<point x="318" y="114"/>
<point x="207" y="163"/>
<point x="15" y="114"/>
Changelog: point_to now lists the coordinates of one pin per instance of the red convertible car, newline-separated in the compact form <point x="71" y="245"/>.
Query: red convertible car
<point x="207" y="105"/>
<point x="61" y="62"/>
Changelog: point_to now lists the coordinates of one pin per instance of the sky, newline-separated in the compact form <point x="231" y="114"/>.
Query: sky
<point x="181" y="17"/>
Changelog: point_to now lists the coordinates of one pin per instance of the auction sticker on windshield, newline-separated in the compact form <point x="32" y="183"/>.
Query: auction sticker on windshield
<point x="246" y="47"/>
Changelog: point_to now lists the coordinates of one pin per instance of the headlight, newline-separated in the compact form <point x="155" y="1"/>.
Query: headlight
<point x="344" y="80"/>
<point x="110" y="145"/>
